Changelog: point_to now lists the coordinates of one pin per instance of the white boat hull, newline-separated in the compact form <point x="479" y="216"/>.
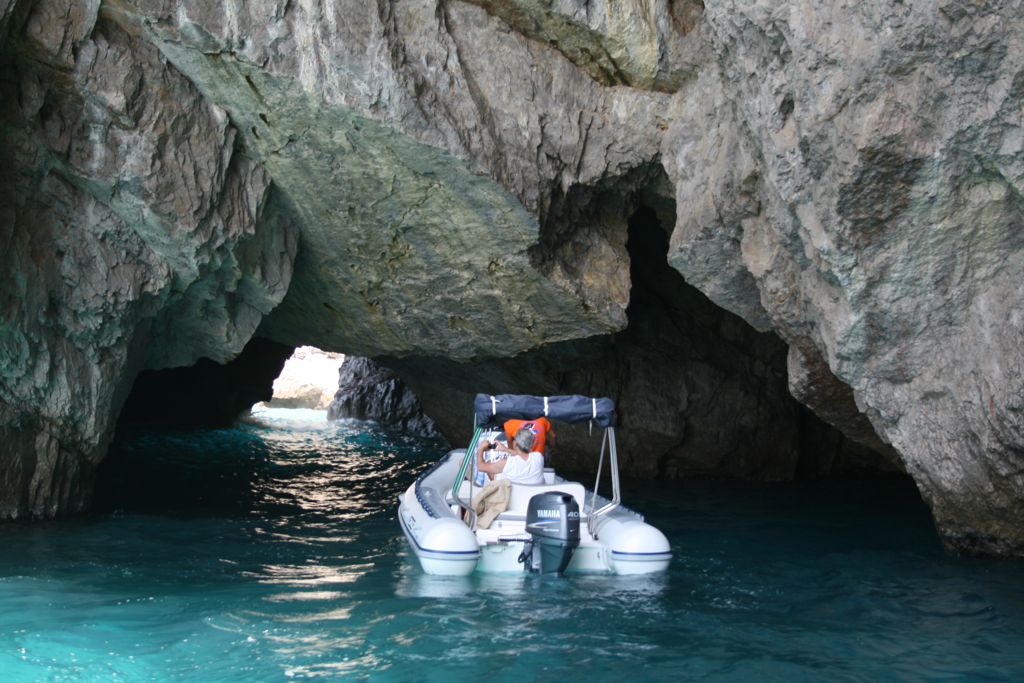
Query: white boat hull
<point x="621" y="543"/>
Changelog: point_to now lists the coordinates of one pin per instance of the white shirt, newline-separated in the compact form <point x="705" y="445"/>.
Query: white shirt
<point x="519" y="471"/>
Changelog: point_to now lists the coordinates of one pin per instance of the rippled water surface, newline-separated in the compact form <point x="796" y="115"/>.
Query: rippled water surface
<point x="271" y="552"/>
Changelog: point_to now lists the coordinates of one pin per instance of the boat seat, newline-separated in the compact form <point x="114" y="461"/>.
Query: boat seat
<point x="521" y="495"/>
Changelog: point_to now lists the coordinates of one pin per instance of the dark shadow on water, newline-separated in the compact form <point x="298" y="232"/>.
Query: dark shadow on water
<point x="181" y="471"/>
<point x="235" y="471"/>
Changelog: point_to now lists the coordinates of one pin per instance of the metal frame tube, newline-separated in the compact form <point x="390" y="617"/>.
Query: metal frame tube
<point x="470" y="454"/>
<point x="613" y="463"/>
<point x="597" y="482"/>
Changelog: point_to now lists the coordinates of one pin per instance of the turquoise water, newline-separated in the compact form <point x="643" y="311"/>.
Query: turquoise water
<point x="271" y="552"/>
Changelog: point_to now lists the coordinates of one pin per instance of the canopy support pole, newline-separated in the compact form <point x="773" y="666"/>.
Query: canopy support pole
<point x="457" y="484"/>
<point x="594" y="519"/>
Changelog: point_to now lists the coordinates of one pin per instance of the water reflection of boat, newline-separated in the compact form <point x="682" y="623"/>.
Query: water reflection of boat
<point x="548" y="528"/>
<point x="413" y="583"/>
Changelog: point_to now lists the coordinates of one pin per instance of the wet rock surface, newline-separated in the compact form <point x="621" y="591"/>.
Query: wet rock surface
<point x="453" y="181"/>
<point x="370" y="391"/>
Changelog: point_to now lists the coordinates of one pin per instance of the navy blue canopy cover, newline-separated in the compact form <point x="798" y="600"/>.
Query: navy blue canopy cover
<point x="499" y="407"/>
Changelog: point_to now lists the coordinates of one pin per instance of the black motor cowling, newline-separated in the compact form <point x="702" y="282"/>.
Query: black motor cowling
<point x="553" y="522"/>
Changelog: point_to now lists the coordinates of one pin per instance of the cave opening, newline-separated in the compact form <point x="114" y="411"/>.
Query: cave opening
<point x="308" y="381"/>
<point x="165" y="453"/>
<point x="207" y="393"/>
<point x="205" y="439"/>
<point x="700" y="393"/>
<point x="734" y="414"/>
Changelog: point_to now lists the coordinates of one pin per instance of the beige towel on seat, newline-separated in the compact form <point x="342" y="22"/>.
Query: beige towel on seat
<point x="492" y="501"/>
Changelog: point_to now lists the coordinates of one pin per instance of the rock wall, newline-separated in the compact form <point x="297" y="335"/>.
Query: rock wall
<point x="453" y="180"/>
<point x="135" y="234"/>
<point x="369" y="391"/>
<point x="860" y="192"/>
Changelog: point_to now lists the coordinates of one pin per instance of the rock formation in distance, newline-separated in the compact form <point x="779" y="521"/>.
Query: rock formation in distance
<point x="309" y="379"/>
<point x="367" y="390"/>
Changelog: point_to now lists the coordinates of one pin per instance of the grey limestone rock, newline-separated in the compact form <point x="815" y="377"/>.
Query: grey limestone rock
<point x="370" y="391"/>
<point x="862" y="196"/>
<point x="136" y="234"/>
<point x="454" y="180"/>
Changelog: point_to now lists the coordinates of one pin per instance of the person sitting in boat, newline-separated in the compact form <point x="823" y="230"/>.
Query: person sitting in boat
<point x="522" y="464"/>
<point x="539" y="427"/>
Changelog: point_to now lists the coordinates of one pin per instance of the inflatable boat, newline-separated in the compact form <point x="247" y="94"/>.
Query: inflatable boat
<point x="550" y="528"/>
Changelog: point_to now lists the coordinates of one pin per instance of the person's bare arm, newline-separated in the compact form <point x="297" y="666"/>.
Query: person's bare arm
<point x="490" y="468"/>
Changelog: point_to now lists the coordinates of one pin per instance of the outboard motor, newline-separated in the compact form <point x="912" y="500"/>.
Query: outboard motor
<point x="553" y="522"/>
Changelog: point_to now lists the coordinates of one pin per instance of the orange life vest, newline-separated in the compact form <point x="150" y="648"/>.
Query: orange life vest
<point x="539" y="427"/>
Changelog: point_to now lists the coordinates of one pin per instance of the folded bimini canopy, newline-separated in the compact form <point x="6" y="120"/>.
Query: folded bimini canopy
<point x="495" y="408"/>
